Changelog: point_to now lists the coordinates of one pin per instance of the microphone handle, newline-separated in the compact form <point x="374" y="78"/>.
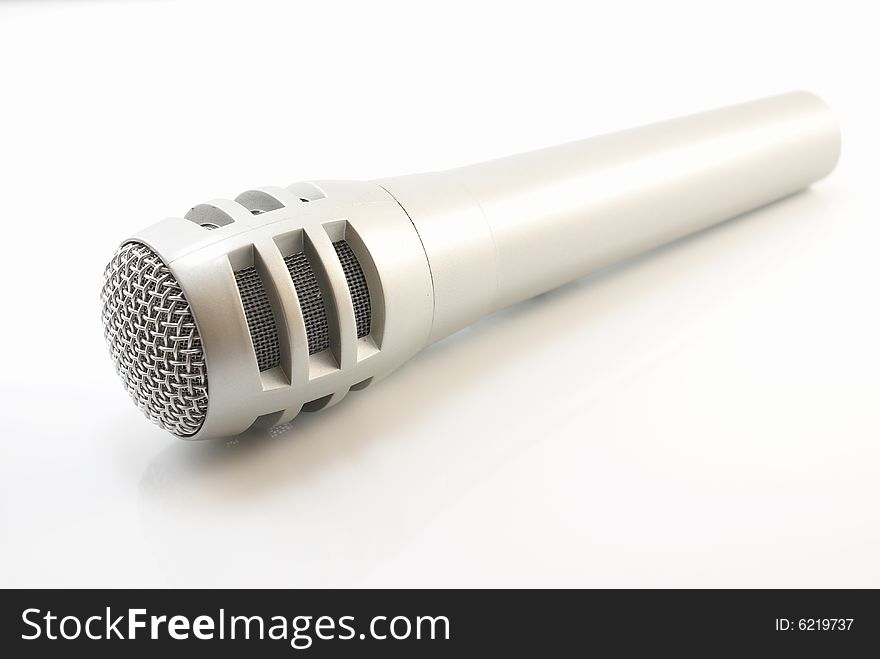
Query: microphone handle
<point x="503" y="231"/>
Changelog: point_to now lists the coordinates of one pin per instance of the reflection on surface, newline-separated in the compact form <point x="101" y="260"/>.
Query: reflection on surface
<point x="324" y="500"/>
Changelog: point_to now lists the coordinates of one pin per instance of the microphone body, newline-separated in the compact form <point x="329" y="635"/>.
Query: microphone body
<point x="503" y="231"/>
<point x="287" y="299"/>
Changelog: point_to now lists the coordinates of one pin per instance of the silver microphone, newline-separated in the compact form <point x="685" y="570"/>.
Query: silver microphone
<point x="244" y="313"/>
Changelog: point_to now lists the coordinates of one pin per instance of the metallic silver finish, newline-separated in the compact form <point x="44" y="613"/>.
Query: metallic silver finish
<point x="347" y="280"/>
<point x="153" y="340"/>
<point x="327" y="344"/>
<point x="502" y="231"/>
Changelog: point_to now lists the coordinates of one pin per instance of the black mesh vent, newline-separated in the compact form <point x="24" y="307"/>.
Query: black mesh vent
<point x="260" y="320"/>
<point x="357" y="286"/>
<point x="310" y="301"/>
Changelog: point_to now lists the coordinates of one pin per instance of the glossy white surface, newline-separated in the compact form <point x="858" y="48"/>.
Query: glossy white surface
<point x="705" y="415"/>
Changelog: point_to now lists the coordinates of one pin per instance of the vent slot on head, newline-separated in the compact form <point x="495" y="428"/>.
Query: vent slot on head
<point x="310" y="301"/>
<point x="209" y="217"/>
<point x="357" y="287"/>
<point x="260" y="320"/>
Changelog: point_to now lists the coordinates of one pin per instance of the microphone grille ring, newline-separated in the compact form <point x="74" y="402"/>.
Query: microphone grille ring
<point x="153" y="340"/>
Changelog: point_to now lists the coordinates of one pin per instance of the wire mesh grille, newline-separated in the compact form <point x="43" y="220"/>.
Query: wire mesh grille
<point x="260" y="320"/>
<point x="357" y="286"/>
<point x="153" y="340"/>
<point x="310" y="301"/>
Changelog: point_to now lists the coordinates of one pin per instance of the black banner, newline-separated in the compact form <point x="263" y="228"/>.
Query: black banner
<point x="436" y="623"/>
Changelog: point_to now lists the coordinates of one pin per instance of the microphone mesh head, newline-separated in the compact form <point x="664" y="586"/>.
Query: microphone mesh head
<point x="153" y="340"/>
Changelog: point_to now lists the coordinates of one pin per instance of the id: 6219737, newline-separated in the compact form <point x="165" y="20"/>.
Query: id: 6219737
<point x="814" y="624"/>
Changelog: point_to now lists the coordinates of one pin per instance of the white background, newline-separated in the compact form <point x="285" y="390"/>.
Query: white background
<point x="706" y="415"/>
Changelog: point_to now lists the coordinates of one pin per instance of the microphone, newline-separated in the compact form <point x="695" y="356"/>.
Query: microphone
<point x="244" y="313"/>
